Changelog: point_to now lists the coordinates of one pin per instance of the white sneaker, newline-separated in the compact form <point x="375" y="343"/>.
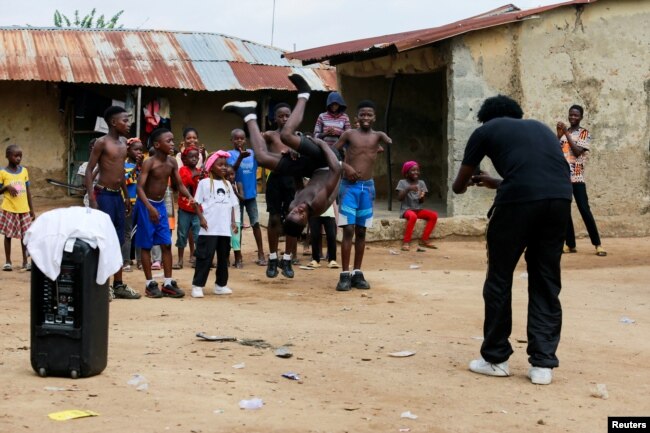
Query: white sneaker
<point x="481" y="366"/>
<point x="540" y="375"/>
<point x="197" y="292"/>
<point x="225" y="290"/>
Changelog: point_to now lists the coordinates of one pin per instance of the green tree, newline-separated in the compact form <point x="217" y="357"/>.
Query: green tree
<point x="61" y="20"/>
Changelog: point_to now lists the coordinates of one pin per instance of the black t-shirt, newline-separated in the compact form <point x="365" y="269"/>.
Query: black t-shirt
<point x="526" y="154"/>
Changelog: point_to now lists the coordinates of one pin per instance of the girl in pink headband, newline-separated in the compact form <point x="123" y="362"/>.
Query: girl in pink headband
<point x="411" y="192"/>
<point x="215" y="205"/>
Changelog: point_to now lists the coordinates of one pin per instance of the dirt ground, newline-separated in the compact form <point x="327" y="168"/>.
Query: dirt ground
<point x="341" y="344"/>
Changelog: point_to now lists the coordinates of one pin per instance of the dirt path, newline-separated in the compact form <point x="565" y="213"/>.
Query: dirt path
<point x="341" y="344"/>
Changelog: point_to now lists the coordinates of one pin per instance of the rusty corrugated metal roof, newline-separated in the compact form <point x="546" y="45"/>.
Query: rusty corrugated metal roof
<point x="338" y="53"/>
<point x="181" y="60"/>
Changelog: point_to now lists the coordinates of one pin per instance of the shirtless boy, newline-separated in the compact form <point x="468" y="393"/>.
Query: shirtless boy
<point x="151" y="213"/>
<point x="316" y="161"/>
<point x="357" y="192"/>
<point x="109" y="194"/>
<point x="280" y="189"/>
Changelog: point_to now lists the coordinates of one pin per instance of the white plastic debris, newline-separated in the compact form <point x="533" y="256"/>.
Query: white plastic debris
<point x="626" y="320"/>
<point x="252" y="404"/>
<point x="240" y="365"/>
<point x="600" y="391"/>
<point x="139" y="381"/>
<point x="524" y="275"/>
<point x="414" y="267"/>
<point x="393" y="252"/>
<point x="402" y="354"/>
<point x="408" y="415"/>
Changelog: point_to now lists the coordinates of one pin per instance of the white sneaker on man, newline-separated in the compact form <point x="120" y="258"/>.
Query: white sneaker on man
<point x="540" y="375"/>
<point x="197" y="292"/>
<point x="481" y="366"/>
<point x="225" y="290"/>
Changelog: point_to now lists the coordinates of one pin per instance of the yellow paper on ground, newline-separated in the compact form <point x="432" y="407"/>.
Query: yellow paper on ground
<point x="65" y="415"/>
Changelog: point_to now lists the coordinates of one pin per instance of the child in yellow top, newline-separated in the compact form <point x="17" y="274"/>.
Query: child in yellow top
<point x="16" y="212"/>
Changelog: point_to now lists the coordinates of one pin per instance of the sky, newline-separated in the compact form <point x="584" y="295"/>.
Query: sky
<point x="296" y="25"/>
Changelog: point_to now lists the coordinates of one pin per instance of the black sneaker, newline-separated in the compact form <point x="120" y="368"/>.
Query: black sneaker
<point x="153" y="291"/>
<point x="300" y="83"/>
<point x="344" y="283"/>
<point x="272" y="268"/>
<point x="358" y="282"/>
<point x="172" y="290"/>
<point x="287" y="270"/>
<point x="122" y="291"/>
<point x="240" y="108"/>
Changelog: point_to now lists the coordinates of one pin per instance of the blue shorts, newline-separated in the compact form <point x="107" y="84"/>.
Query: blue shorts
<point x="356" y="200"/>
<point x="112" y="203"/>
<point x="148" y="233"/>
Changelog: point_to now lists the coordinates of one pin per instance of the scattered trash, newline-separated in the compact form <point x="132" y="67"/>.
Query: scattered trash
<point x="283" y="352"/>
<point x="476" y="337"/>
<point x="404" y="429"/>
<point x="240" y="365"/>
<point x="346" y="309"/>
<point x="58" y="388"/>
<point x="402" y="354"/>
<point x="420" y="250"/>
<point x="207" y="337"/>
<point x="414" y="267"/>
<point x="252" y="404"/>
<point x="408" y="415"/>
<point x="291" y="375"/>
<point x="306" y="268"/>
<point x="260" y="344"/>
<point x="65" y="415"/>
<point x="218" y="411"/>
<point x="627" y="320"/>
<point x="393" y="252"/>
<point x="541" y="422"/>
<point x="139" y="381"/>
<point x="524" y="275"/>
<point x="600" y="391"/>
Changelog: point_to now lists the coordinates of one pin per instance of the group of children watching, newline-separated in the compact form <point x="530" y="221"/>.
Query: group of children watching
<point x="213" y="188"/>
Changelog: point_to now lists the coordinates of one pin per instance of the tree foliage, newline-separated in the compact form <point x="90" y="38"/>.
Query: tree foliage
<point x="88" y="21"/>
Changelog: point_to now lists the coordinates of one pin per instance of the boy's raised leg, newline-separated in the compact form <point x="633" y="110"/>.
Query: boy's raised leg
<point x="247" y="111"/>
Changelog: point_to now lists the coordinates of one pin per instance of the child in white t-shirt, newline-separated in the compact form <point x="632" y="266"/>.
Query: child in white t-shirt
<point x="215" y="203"/>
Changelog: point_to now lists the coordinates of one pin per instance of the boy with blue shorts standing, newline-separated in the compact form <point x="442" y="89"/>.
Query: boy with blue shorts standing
<point x="357" y="192"/>
<point x="110" y="194"/>
<point x="151" y="213"/>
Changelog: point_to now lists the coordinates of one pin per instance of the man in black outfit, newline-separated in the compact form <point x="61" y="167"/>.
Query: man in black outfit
<point x="530" y="213"/>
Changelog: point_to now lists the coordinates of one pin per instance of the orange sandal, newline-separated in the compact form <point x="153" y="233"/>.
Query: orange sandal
<point x="406" y="247"/>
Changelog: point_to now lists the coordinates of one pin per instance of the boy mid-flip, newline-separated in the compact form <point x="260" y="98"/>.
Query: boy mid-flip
<point x="316" y="161"/>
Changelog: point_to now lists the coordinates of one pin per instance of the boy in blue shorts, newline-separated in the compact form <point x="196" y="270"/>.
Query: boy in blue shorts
<point x="357" y="192"/>
<point x="151" y="213"/>
<point x="109" y="194"/>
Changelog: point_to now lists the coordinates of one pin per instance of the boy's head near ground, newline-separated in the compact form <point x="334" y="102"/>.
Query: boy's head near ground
<point x="499" y="106"/>
<point x="238" y="138"/>
<point x="14" y="154"/>
<point x="366" y="114"/>
<point x="162" y="141"/>
<point x="297" y="219"/>
<point x="118" y="119"/>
